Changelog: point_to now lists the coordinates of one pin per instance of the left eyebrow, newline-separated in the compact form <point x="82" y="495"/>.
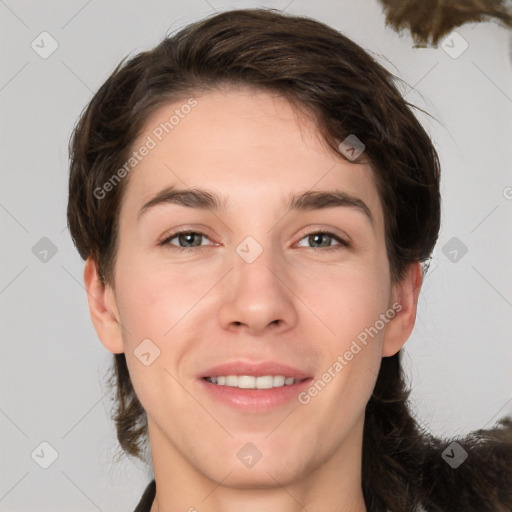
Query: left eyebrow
<point x="303" y="201"/>
<point x="320" y="199"/>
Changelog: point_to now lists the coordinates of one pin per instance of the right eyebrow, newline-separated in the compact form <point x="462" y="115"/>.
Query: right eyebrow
<point x="192" y="198"/>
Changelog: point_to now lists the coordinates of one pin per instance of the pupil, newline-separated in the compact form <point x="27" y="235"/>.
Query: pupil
<point x="187" y="237"/>
<point x="317" y="237"/>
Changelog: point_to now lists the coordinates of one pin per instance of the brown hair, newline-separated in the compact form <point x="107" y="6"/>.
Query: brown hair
<point x="320" y="71"/>
<point x="430" y="20"/>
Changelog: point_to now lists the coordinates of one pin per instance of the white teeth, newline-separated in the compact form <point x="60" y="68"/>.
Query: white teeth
<point x="231" y="380"/>
<point x="279" y="380"/>
<point x="251" y="382"/>
<point x="244" y="381"/>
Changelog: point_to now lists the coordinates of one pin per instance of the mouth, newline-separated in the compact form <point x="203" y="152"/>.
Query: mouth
<point x="254" y="387"/>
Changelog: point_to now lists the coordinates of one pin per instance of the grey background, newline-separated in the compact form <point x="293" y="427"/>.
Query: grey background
<point x="52" y="364"/>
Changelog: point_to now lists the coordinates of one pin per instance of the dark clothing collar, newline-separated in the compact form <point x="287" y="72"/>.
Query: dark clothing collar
<point x="147" y="498"/>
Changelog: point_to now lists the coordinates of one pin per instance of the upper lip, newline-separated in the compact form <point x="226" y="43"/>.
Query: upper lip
<point x="256" y="369"/>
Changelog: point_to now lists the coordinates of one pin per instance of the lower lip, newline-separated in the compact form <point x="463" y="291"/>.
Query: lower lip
<point x="255" y="400"/>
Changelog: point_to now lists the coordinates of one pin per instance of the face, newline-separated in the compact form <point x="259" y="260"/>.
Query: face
<point x="258" y="286"/>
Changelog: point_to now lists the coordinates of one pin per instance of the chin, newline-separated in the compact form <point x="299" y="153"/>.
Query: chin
<point x="261" y="476"/>
<point x="260" y="463"/>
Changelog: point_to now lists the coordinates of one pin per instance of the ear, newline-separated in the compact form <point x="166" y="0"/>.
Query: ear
<point x="103" y="309"/>
<point x="404" y="303"/>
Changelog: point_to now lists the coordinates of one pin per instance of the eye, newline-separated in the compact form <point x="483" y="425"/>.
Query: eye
<point x="191" y="239"/>
<point x="323" y="239"/>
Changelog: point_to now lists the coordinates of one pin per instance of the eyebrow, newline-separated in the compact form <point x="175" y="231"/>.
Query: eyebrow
<point x="303" y="201"/>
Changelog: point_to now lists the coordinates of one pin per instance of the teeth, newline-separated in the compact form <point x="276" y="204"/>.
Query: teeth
<point x="251" y="382"/>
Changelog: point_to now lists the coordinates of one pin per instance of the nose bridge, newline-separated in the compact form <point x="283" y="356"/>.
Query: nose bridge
<point x="256" y="266"/>
<point x="250" y="250"/>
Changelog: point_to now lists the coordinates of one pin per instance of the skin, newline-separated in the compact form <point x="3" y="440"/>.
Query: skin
<point x="296" y="303"/>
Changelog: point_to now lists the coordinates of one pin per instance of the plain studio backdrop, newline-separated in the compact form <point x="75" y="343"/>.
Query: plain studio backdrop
<point x="52" y="363"/>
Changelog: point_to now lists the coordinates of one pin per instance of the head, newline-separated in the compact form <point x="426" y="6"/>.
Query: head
<point x="257" y="109"/>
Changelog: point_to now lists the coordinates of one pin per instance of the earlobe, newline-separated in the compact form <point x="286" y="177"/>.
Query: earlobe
<point x="405" y="296"/>
<point x="103" y="309"/>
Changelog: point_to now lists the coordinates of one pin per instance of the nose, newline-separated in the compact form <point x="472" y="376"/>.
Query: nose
<point x="258" y="297"/>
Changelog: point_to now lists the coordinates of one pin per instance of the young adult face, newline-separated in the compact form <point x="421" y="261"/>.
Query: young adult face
<point x="253" y="289"/>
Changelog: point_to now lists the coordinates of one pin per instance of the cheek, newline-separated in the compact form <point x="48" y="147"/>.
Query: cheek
<point x="351" y="305"/>
<point x="350" y="302"/>
<point x="347" y="299"/>
<point x="156" y="305"/>
<point x="152" y="300"/>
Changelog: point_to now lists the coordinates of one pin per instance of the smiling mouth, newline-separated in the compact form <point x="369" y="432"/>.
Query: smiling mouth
<point x="253" y="382"/>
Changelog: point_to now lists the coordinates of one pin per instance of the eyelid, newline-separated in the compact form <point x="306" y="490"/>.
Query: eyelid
<point x="327" y="230"/>
<point x="343" y="240"/>
<point x="166" y="238"/>
<point x="200" y="230"/>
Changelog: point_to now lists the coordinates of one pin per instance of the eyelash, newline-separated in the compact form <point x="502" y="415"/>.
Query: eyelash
<point x="342" y="243"/>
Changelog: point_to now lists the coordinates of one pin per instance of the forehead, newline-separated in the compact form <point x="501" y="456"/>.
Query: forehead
<point x="246" y="144"/>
